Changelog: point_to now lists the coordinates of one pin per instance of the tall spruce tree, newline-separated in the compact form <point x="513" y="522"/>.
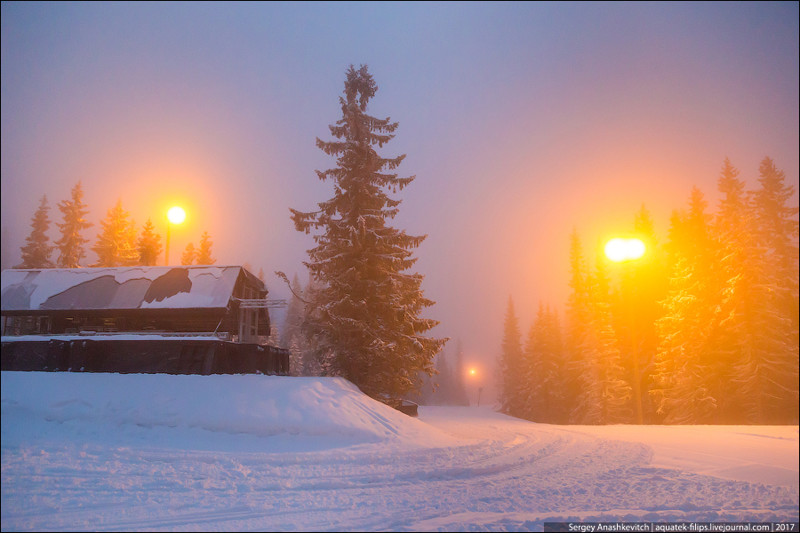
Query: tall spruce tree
<point x="36" y="253"/>
<point x="365" y="322"/>
<point x="777" y="232"/>
<point x="116" y="243"/>
<point x="748" y="328"/>
<point x="543" y="356"/>
<point x="686" y="375"/>
<point x="511" y="366"/>
<point x="71" y="245"/>
<point x="204" y="250"/>
<point x="149" y="245"/>
<point x="614" y="390"/>
<point x="578" y="346"/>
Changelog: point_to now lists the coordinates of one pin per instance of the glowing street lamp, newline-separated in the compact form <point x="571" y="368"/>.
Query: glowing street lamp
<point x="473" y="373"/>
<point x="175" y="215"/>
<point x="624" y="251"/>
<point x="619" y="250"/>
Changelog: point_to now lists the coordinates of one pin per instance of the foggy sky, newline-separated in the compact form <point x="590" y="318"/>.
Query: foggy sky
<point x="521" y="122"/>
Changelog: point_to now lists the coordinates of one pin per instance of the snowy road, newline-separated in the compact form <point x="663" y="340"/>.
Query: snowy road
<point x="104" y="461"/>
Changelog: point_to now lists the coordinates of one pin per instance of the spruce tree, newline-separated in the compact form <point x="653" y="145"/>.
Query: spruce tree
<point x="71" y="244"/>
<point x="149" y="245"/>
<point x="543" y="356"/>
<point x="511" y="366"/>
<point x="116" y="243"/>
<point x="748" y="330"/>
<point x="613" y="390"/>
<point x="687" y="382"/>
<point x="365" y="323"/>
<point x="189" y="255"/>
<point x="578" y="346"/>
<point x="36" y="253"/>
<point x="204" y="251"/>
<point x="777" y="231"/>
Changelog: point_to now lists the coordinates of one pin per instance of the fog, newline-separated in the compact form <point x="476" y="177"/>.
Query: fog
<point x="521" y="121"/>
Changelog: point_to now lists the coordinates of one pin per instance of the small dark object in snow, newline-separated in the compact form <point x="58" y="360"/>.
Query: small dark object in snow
<point x="404" y="406"/>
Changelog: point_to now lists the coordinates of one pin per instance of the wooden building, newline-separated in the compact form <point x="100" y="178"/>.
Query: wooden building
<point x="190" y="319"/>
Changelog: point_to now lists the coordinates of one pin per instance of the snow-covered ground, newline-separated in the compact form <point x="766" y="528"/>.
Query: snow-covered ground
<point x="157" y="452"/>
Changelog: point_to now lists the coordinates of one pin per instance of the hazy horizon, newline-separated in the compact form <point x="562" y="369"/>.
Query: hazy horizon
<point x="521" y="122"/>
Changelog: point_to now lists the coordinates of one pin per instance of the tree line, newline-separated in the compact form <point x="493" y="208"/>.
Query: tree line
<point x="702" y="330"/>
<point x="118" y="242"/>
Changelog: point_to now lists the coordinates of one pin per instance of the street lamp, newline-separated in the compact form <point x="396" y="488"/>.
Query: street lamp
<point x="619" y="250"/>
<point x="625" y="251"/>
<point x="175" y="215"/>
<point x="473" y="373"/>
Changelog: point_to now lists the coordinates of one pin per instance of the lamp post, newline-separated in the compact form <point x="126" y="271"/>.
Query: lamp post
<point x="473" y="373"/>
<point x="175" y="215"/>
<point x="626" y="251"/>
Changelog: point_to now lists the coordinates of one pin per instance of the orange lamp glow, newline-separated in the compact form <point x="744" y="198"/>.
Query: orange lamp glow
<point x="619" y="250"/>
<point x="176" y="215"/>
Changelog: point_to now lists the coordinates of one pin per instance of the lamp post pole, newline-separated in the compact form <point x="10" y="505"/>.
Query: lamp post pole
<point x="175" y="215"/>
<point x="626" y="251"/>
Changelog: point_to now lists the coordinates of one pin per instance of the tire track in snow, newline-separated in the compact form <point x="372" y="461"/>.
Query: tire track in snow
<point x="507" y="474"/>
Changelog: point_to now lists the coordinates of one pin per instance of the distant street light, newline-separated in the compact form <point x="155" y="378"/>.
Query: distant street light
<point x="473" y="373"/>
<point x="175" y="215"/>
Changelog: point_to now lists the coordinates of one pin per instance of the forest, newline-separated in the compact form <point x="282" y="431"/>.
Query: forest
<point x="703" y="329"/>
<point x="118" y="244"/>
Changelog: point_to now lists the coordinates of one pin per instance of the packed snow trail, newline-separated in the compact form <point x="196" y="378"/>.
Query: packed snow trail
<point x="140" y="452"/>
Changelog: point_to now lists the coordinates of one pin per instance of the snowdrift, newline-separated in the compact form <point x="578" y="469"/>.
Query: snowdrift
<point x="220" y="412"/>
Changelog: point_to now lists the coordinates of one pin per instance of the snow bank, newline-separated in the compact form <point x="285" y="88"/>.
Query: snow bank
<point x="220" y="412"/>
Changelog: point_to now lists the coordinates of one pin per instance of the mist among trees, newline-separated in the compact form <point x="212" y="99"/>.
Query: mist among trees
<point x="702" y="330"/>
<point x="117" y="244"/>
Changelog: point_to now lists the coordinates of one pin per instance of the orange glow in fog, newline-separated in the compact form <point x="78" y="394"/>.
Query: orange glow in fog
<point x="176" y="215"/>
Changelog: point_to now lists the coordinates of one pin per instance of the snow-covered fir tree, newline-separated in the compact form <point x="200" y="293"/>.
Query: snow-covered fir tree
<point x="576" y="325"/>
<point x="37" y="250"/>
<point x="365" y="322"/>
<point x="687" y="380"/>
<point x="777" y="234"/>
<point x="543" y="369"/>
<point x="116" y="243"/>
<point x="71" y="245"/>
<point x="149" y="245"/>
<point x="189" y="255"/>
<point x="203" y="256"/>
<point x="749" y="328"/>
<point x="511" y="366"/>
<point x="605" y="395"/>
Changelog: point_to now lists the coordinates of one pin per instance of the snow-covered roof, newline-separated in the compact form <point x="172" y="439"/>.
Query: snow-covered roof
<point x="121" y="288"/>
